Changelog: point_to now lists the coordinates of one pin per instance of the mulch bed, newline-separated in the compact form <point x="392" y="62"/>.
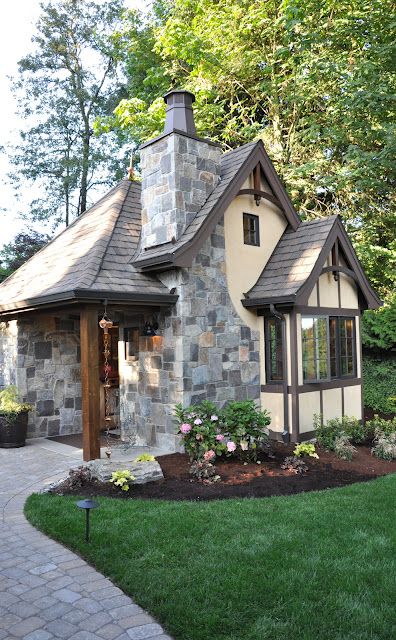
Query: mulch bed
<point x="247" y="481"/>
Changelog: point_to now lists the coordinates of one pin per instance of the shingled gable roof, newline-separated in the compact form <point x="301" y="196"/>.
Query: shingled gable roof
<point x="236" y="166"/>
<point x="89" y="260"/>
<point x="298" y="260"/>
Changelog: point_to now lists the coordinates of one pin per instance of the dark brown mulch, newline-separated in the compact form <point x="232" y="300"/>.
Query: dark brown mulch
<point x="248" y="481"/>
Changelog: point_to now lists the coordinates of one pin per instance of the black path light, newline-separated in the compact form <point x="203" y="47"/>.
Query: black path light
<point x="87" y="505"/>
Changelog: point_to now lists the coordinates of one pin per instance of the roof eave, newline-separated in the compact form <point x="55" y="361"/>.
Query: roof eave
<point x="85" y="296"/>
<point x="256" y="303"/>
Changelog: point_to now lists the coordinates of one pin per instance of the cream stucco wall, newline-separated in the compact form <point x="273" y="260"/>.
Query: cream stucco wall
<point x="309" y="404"/>
<point x="353" y="401"/>
<point x="273" y="402"/>
<point x="332" y="404"/>
<point x="244" y="263"/>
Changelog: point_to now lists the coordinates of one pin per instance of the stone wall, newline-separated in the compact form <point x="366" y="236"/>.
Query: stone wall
<point x="45" y="366"/>
<point x="178" y="174"/>
<point x="202" y="351"/>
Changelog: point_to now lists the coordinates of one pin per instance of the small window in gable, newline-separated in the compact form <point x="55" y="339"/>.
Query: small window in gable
<point x="251" y="232"/>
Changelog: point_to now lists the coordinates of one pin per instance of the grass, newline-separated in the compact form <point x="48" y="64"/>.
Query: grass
<point x="314" y="566"/>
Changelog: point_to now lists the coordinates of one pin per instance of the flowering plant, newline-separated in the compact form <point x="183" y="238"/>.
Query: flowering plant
<point x="200" y="427"/>
<point x="207" y="432"/>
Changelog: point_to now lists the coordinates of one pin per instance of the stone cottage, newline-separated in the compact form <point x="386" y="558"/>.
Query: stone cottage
<point x="215" y="288"/>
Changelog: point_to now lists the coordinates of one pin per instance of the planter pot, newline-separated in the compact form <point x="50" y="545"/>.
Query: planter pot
<point x="13" y="434"/>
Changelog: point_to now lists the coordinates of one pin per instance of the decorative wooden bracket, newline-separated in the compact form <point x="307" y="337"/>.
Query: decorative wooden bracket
<point x="257" y="192"/>
<point x="335" y="260"/>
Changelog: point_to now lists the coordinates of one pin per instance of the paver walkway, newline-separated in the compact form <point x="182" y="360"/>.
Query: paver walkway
<point x="46" y="591"/>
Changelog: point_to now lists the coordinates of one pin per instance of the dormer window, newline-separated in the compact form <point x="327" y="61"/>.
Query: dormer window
<point x="251" y="232"/>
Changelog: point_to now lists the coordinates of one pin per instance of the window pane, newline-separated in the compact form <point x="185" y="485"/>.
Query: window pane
<point x="274" y="351"/>
<point x="251" y="229"/>
<point x="332" y="346"/>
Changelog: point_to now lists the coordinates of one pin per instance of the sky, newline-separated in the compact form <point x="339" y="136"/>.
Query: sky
<point x="16" y="29"/>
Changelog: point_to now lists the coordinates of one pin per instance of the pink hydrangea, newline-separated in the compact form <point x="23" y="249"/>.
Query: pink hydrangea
<point x="220" y="437"/>
<point x="209" y="455"/>
<point x="231" y="446"/>
<point x="185" y="428"/>
<point x="197" y="421"/>
<point x="214" y="418"/>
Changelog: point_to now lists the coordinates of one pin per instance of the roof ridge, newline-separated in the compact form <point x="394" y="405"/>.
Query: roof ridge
<point x="120" y="207"/>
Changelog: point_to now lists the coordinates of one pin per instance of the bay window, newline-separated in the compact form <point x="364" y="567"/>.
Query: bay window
<point x="328" y="347"/>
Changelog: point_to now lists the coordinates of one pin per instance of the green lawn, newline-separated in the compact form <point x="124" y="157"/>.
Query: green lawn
<point x="314" y="566"/>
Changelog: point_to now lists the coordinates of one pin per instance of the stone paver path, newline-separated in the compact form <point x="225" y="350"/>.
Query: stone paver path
<point x="46" y="591"/>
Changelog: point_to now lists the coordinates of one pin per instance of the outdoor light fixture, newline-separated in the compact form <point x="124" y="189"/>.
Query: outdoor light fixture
<point x="87" y="505"/>
<point x="150" y="328"/>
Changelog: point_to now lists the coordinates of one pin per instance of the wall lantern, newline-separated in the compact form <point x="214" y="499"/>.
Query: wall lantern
<point x="150" y="328"/>
<point x="87" y="505"/>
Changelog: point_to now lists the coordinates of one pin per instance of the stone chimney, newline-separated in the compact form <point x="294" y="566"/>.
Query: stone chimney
<point x="179" y="171"/>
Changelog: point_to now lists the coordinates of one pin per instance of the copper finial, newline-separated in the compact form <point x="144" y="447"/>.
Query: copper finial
<point x="131" y="174"/>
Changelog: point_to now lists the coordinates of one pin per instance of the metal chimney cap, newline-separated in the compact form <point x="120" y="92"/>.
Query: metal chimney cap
<point x="178" y="92"/>
<point x="179" y="113"/>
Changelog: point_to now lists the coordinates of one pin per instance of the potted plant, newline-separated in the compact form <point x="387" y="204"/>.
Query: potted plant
<point x="13" y="419"/>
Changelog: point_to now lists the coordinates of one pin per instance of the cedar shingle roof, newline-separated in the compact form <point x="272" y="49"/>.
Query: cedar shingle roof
<point x="91" y="256"/>
<point x="293" y="260"/>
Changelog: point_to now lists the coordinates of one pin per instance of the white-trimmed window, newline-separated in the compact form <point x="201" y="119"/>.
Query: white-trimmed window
<point x="328" y="347"/>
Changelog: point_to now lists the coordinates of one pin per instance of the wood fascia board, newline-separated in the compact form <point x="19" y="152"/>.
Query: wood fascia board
<point x="338" y="233"/>
<point x="277" y="187"/>
<point x="82" y="295"/>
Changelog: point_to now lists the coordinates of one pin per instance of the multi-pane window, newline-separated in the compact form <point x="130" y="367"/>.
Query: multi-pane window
<point x="274" y="349"/>
<point x="328" y="347"/>
<point x="251" y="232"/>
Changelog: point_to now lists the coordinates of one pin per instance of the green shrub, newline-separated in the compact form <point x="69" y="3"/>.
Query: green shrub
<point x="380" y="424"/>
<point x="326" y="434"/>
<point x="208" y="432"/>
<point x="121" y="478"/>
<point x="10" y="406"/>
<point x="379" y="382"/>
<point x="305" y="449"/>
<point x="384" y="445"/>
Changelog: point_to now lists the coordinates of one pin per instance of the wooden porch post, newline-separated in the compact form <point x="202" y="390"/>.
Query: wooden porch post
<point x="90" y="382"/>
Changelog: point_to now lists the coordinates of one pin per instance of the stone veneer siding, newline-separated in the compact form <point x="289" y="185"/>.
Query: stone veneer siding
<point x="203" y="350"/>
<point x="43" y="360"/>
<point x="178" y="174"/>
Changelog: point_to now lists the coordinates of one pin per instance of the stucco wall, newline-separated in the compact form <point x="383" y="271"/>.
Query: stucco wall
<point x="8" y="352"/>
<point x="327" y="292"/>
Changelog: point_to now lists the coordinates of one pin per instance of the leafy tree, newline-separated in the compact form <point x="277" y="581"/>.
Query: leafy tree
<point x="313" y="79"/>
<point x="69" y="79"/>
<point x="23" y="247"/>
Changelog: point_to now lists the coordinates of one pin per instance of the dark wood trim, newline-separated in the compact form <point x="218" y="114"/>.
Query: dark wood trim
<point x="265" y="302"/>
<point x="90" y="382"/>
<point x="83" y="296"/>
<point x="264" y="195"/>
<point x="328" y="384"/>
<point x="307" y="435"/>
<point x="342" y="402"/>
<point x="338" y="383"/>
<point x="339" y="269"/>
<point x="321" y="403"/>
<point x="272" y="388"/>
<point x="327" y="311"/>
<point x="295" y="417"/>
<point x="317" y="293"/>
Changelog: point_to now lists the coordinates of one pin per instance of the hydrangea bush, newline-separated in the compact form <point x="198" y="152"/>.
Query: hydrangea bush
<point x="208" y="432"/>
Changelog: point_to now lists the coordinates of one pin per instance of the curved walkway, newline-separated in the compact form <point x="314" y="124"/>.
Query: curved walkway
<point x="46" y="591"/>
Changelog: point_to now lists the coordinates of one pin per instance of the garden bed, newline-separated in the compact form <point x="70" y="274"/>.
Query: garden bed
<point x="247" y="481"/>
